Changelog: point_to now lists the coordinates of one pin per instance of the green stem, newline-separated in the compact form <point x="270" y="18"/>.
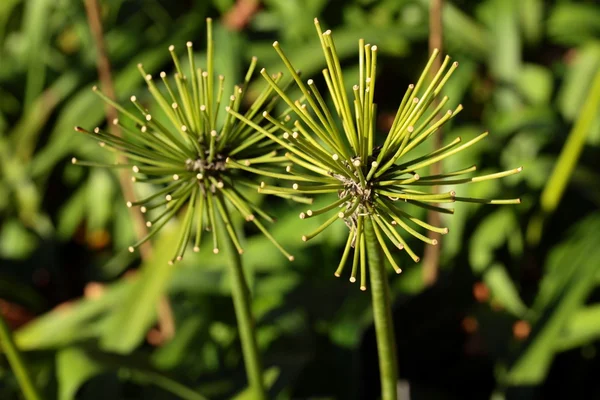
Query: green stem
<point x="16" y="362"/>
<point x="243" y="313"/>
<point x="382" y="315"/>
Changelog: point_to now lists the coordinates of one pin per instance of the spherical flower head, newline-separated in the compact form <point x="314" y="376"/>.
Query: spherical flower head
<point x="195" y="163"/>
<point x="373" y="182"/>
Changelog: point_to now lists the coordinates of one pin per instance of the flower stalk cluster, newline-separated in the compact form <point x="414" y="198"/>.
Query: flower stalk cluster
<point x="197" y="164"/>
<point x="336" y="151"/>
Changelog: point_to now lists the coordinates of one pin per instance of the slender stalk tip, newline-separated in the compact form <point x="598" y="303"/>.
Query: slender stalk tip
<point x="352" y="279"/>
<point x="363" y="288"/>
<point x="196" y="249"/>
<point x="304" y="238"/>
<point x="73" y="160"/>
<point x="291" y="258"/>
<point x="131" y="249"/>
<point x="216" y="250"/>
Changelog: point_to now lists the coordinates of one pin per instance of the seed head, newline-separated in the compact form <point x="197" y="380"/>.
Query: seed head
<point x="374" y="182"/>
<point x="184" y="154"/>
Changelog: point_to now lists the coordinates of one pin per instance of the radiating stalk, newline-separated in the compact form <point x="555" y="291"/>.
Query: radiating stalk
<point x="16" y="362"/>
<point x="243" y="313"/>
<point x="382" y="316"/>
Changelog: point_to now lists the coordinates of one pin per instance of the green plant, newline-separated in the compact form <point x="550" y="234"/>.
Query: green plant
<point x="187" y="154"/>
<point x="375" y="182"/>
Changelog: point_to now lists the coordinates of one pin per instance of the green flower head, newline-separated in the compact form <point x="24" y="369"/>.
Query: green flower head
<point x="335" y="151"/>
<point x="188" y="155"/>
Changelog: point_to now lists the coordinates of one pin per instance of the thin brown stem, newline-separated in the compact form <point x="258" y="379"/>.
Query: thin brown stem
<point x="431" y="258"/>
<point x="240" y="14"/>
<point x="165" y="314"/>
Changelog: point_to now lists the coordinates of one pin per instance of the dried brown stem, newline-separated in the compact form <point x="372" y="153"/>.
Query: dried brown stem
<point x="165" y="314"/>
<point x="240" y="14"/>
<point x="431" y="258"/>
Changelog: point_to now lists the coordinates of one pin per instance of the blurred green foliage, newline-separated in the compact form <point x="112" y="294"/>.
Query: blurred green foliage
<point x="514" y="310"/>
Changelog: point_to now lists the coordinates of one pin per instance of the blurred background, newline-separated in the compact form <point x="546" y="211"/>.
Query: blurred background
<point x="512" y="313"/>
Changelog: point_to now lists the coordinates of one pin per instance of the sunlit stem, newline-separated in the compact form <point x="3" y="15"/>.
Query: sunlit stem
<point x="245" y="321"/>
<point x="382" y="316"/>
<point x="16" y="362"/>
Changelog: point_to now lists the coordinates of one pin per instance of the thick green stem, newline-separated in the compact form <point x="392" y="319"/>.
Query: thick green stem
<point x="382" y="315"/>
<point x="16" y="362"/>
<point x="243" y="313"/>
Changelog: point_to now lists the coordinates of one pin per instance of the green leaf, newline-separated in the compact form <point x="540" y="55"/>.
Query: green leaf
<point x="16" y="242"/>
<point x="100" y="193"/>
<point x="89" y="362"/>
<point x="72" y="323"/>
<point x="128" y="325"/>
<point x="269" y="377"/>
<point x="73" y="368"/>
<point x="171" y="354"/>
<point x="489" y="236"/>
<point x="535" y="84"/>
<point x="503" y="289"/>
<point x="580" y="72"/>
<point x="560" y="297"/>
<point x="532" y="20"/>
<point x="581" y="328"/>
<point x="573" y="24"/>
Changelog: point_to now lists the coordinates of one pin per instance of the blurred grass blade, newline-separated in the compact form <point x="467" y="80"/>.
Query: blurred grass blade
<point x="16" y="362"/>
<point x="86" y="109"/>
<point x="567" y="160"/>
<point x="505" y="59"/>
<point x="35" y="24"/>
<point x="128" y="325"/>
<point x="24" y="135"/>
<point x="532" y="20"/>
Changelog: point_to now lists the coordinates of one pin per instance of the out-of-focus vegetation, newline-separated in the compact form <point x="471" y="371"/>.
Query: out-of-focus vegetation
<point x="513" y="311"/>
